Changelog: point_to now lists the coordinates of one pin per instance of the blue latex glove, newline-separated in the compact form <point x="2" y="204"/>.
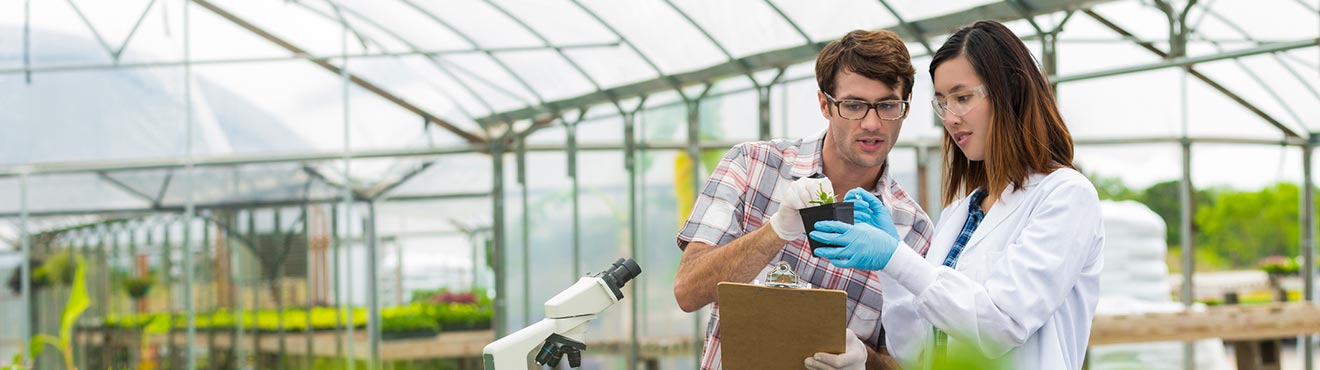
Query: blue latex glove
<point x="870" y="210"/>
<point x="862" y="246"/>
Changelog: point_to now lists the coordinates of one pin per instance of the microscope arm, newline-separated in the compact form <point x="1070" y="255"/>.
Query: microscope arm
<point x="518" y="350"/>
<point x="567" y="314"/>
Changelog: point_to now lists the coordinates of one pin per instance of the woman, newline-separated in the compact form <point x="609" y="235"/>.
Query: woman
<point x="1013" y="269"/>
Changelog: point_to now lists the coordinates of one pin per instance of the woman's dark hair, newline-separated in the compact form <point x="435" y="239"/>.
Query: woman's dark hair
<point x="1027" y="134"/>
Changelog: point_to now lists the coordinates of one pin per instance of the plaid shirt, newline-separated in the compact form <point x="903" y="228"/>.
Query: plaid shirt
<point x="739" y="198"/>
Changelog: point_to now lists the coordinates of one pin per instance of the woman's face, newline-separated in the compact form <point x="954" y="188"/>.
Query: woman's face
<point x="967" y="117"/>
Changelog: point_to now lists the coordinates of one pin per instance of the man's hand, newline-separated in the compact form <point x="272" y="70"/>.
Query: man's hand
<point x="853" y="357"/>
<point x="787" y="222"/>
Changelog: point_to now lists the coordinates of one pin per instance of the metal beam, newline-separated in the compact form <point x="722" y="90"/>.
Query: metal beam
<point x="99" y="39"/>
<point x="133" y="31"/>
<point x="805" y="38"/>
<point x="226" y="160"/>
<point x="544" y="41"/>
<point x="1191" y="71"/>
<point x="711" y="38"/>
<point x="383" y="188"/>
<point x="232" y="61"/>
<point x="235" y="160"/>
<point x="339" y="17"/>
<point x="1241" y="31"/>
<point x="1188" y="61"/>
<point x="541" y="114"/>
<point x="784" y="58"/>
<point x="912" y="30"/>
<point x="164" y="187"/>
<point x="500" y="63"/>
<point x="347" y="184"/>
<point x="124" y="211"/>
<point x="129" y="189"/>
<point x="468" y="136"/>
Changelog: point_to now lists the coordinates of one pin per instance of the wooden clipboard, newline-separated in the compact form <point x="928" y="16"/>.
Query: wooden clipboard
<point x="764" y="327"/>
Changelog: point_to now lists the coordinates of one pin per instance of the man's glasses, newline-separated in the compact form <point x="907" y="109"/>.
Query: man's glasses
<point x="889" y="110"/>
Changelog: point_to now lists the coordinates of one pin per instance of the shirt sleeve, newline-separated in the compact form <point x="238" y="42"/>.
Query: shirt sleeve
<point x="719" y="207"/>
<point x="1033" y="278"/>
<point x="906" y="334"/>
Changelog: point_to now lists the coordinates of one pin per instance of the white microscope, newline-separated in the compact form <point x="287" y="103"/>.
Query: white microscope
<point x="566" y="316"/>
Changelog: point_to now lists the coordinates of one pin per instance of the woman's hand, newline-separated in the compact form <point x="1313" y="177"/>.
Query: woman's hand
<point x="862" y="246"/>
<point x="870" y="210"/>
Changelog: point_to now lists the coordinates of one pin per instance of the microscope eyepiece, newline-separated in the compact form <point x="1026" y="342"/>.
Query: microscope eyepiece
<point x="620" y="273"/>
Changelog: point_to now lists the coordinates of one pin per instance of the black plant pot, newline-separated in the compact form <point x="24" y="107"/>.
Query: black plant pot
<point x="837" y="211"/>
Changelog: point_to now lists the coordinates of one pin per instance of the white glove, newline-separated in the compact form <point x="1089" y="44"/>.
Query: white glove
<point x="853" y="357"/>
<point x="787" y="222"/>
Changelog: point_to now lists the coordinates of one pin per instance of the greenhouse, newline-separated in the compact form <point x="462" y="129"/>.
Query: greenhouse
<point x="350" y="184"/>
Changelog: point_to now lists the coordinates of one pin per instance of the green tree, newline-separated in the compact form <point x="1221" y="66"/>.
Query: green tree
<point x="1113" y="188"/>
<point x="1248" y="225"/>
<point x="1163" y="198"/>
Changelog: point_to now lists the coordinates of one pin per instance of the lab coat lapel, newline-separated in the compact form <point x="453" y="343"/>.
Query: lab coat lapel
<point x="1009" y="203"/>
<point x="951" y="220"/>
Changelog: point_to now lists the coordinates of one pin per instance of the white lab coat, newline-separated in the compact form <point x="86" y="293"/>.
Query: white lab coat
<point x="1025" y="287"/>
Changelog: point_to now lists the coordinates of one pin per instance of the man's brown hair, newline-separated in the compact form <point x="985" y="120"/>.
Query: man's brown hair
<point x="877" y="55"/>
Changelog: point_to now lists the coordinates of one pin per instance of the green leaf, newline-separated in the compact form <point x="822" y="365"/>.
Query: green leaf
<point x="40" y="340"/>
<point x="78" y="302"/>
<point x="823" y="196"/>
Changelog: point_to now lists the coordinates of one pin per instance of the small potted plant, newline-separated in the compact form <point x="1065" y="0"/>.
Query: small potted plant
<point x="138" y="286"/>
<point x="826" y="209"/>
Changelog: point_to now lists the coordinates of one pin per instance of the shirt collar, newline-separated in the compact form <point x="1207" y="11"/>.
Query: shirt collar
<point x="974" y="204"/>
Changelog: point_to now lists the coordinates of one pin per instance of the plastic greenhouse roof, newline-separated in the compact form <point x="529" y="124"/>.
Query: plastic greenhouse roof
<point x="105" y="82"/>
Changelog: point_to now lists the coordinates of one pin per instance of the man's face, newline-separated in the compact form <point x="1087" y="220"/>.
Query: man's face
<point x="865" y="142"/>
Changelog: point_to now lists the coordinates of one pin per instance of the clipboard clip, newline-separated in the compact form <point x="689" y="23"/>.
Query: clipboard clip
<point x="782" y="276"/>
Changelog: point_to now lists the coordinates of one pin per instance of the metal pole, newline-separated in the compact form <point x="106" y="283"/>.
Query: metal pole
<point x="273" y="282"/>
<point x="255" y="284"/>
<point x="1186" y="201"/>
<point x="497" y="230"/>
<point x="308" y="287"/>
<point x="208" y="250"/>
<point x="348" y="197"/>
<point x="25" y="289"/>
<point x="571" y="130"/>
<point x="190" y="204"/>
<point x="1308" y="246"/>
<point x="630" y="164"/>
<point x="236" y="291"/>
<point x="763" y="110"/>
<point x="694" y="157"/>
<point x="132" y="266"/>
<point x="165" y="281"/>
<point x="334" y="280"/>
<point x="373" y="299"/>
<point x="526" y="229"/>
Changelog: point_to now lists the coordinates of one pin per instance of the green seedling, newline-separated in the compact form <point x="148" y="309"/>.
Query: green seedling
<point x="823" y="196"/>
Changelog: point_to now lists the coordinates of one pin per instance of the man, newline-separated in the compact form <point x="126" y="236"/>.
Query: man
<point x="746" y="218"/>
